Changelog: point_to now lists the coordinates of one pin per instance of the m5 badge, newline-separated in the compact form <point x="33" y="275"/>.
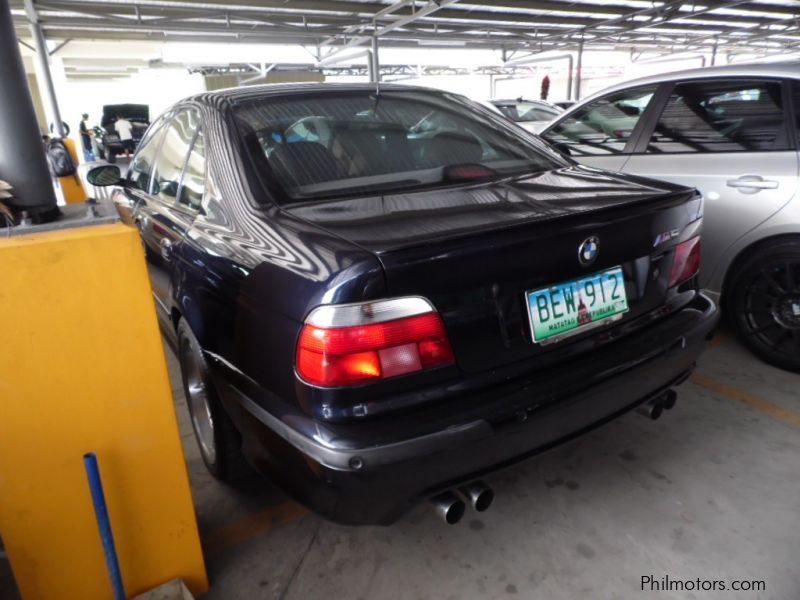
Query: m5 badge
<point x="665" y="237"/>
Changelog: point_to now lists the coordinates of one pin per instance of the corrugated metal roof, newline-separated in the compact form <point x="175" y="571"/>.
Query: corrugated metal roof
<point x="511" y="25"/>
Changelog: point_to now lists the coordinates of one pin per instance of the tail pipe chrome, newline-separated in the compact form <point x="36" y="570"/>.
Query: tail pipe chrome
<point x="654" y="408"/>
<point x="479" y="495"/>
<point x="449" y="507"/>
<point x="670" y="398"/>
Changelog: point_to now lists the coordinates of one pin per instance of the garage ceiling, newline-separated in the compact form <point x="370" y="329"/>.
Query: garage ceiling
<point x="518" y="27"/>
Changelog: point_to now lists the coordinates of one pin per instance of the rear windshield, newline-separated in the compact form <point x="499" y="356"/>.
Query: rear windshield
<point x="333" y="145"/>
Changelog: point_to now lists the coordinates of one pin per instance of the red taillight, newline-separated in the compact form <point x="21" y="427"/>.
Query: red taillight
<point x="332" y="356"/>
<point x="686" y="262"/>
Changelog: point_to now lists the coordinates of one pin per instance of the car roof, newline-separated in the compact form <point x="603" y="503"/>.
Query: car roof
<point x="512" y="100"/>
<point x="786" y="69"/>
<point x="245" y="93"/>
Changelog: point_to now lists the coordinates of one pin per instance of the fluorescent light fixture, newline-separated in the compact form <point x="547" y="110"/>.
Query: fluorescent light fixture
<point x="435" y="42"/>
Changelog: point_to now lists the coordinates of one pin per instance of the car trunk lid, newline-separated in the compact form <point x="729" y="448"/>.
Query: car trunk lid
<point x="475" y="251"/>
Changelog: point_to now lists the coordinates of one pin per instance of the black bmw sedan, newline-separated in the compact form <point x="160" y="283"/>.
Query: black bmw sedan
<point x="379" y="296"/>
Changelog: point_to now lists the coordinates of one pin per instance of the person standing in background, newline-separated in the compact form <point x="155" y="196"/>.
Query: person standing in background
<point x="86" y="138"/>
<point x="125" y="132"/>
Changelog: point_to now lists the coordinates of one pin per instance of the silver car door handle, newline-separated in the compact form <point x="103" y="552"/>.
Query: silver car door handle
<point x="753" y="182"/>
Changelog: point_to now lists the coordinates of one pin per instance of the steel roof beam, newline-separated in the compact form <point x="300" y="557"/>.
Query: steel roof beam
<point x="373" y="9"/>
<point x="143" y="35"/>
<point x="212" y="22"/>
<point x="429" y="8"/>
<point x="398" y="4"/>
<point x="326" y="21"/>
<point x="182" y="27"/>
<point x="145" y="13"/>
<point x="664" y="13"/>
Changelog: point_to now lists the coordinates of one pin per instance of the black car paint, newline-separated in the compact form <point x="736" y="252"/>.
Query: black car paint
<point x="245" y="271"/>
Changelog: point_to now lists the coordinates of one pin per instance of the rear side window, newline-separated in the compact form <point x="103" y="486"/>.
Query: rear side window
<point x="604" y="126"/>
<point x="142" y="166"/>
<point x="193" y="184"/>
<point x="317" y="146"/>
<point x="173" y="154"/>
<point x="722" y="116"/>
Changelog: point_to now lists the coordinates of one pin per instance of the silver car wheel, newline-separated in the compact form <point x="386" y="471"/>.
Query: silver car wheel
<point x="200" y="407"/>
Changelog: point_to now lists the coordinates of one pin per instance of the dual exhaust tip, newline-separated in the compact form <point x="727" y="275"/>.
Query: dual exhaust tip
<point x="450" y="507"/>
<point x="653" y="409"/>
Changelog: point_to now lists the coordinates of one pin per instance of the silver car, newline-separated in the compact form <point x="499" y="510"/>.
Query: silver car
<point x="732" y="132"/>
<point x="533" y="115"/>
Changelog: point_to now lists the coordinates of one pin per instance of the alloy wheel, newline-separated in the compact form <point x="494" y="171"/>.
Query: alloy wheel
<point x="770" y="309"/>
<point x="200" y="407"/>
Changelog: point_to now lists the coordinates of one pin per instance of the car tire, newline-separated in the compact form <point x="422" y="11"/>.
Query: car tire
<point x="217" y="438"/>
<point x="112" y="157"/>
<point x="764" y="303"/>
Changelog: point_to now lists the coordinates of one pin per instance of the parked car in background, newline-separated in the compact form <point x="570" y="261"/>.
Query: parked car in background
<point x="533" y="115"/>
<point x="488" y="105"/>
<point x="379" y="296"/>
<point x="731" y="132"/>
<point x="565" y="104"/>
<point x="110" y="146"/>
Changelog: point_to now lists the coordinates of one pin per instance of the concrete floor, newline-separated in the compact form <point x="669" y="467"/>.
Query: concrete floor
<point x="710" y="491"/>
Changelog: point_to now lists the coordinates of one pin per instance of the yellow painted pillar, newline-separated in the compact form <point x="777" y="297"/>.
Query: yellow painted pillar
<point x="82" y="369"/>
<point x="71" y="185"/>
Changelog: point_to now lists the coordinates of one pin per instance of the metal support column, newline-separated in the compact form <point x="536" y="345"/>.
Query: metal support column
<point x="22" y="161"/>
<point x="376" y="63"/>
<point x="370" y="66"/>
<point x="578" y="71"/>
<point x="43" y="60"/>
<point x="714" y="52"/>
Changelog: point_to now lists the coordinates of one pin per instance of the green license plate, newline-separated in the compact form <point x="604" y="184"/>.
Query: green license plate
<point x="572" y="307"/>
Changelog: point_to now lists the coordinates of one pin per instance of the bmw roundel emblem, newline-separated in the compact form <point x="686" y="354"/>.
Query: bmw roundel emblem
<point x="588" y="250"/>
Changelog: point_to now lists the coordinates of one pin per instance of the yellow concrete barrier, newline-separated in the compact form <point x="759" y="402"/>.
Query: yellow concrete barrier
<point x="82" y="369"/>
<point x="71" y="185"/>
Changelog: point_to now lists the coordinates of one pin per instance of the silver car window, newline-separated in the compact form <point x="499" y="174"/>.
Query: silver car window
<point x="604" y="126"/>
<point x="722" y="116"/>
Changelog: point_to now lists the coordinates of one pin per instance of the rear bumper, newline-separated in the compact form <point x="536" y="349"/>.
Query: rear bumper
<point x="348" y="481"/>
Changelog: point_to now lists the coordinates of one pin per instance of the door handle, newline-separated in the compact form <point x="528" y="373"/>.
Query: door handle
<point x="166" y="249"/>
<point x="750" y="184"/>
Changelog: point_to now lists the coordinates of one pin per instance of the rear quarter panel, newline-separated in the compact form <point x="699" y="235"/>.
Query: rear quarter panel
<point x="251" y="272"/>
<point x="785" y="222"/>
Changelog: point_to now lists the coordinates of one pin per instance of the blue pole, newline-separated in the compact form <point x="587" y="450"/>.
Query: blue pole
<point x="104" y="524"/>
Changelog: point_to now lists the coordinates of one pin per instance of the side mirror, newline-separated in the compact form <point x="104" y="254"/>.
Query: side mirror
<point x="104" y="176"/>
